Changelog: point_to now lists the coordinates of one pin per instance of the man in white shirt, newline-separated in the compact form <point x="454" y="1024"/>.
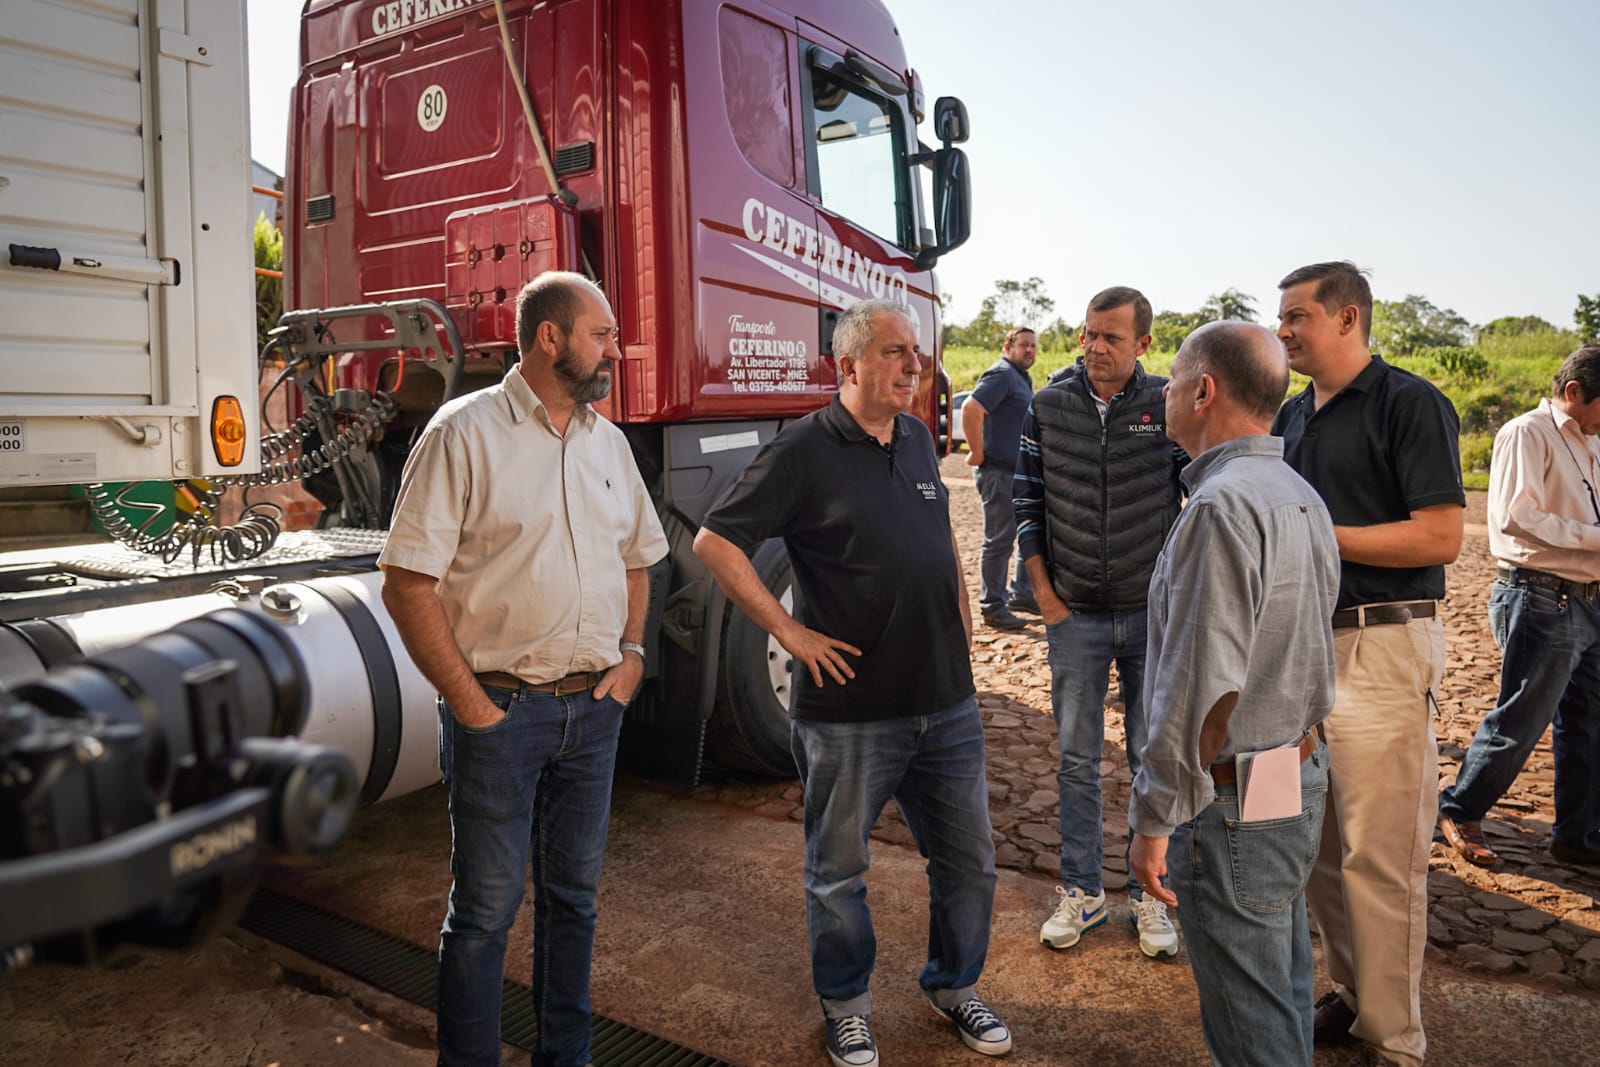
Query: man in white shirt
<point x="1544" y="529"/>
<point x="516" y="573"/>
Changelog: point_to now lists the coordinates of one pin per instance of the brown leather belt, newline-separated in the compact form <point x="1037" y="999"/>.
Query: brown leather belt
<point x="572" y="683"/>
<point x="1384" y="614"/>
<point x="1226" y="772"/>
<point x="1545" y="580"/>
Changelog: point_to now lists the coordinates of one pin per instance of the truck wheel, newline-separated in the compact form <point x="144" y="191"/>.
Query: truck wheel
<point x="751" y="724"/>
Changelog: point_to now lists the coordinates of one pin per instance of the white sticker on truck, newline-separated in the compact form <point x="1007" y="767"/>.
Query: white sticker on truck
<point x="430" y="108"/>
<point x="727" y="442"/>
<point x="49" y="468"/>
<point x="13" y="437"/>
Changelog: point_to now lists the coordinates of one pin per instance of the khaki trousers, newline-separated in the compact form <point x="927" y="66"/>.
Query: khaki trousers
<point x="1368" y="892"/>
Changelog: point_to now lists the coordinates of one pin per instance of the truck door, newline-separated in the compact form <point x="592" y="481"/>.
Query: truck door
<point x="758" y="245"/>
<point x="858" y="136"/>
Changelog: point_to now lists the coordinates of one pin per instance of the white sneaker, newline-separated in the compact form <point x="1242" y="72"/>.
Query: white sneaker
<point x="1157" y="936"/>
<point x="1076" y="912"/>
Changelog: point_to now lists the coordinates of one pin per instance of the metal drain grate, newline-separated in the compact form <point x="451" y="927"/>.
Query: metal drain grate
<point x="405" y="970"/>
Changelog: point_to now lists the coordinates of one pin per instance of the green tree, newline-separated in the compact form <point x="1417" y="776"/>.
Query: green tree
<point x="1169" y="328"/>
<point x="269" y="291"/>
<point x="1230" y="304"/>
<point x="1012" y="304"/>
<point x="1401" y="327"/>
<point x="1059" y="336"/>
<point x="1588" y="317"/>
<point x="1515" y="326"/>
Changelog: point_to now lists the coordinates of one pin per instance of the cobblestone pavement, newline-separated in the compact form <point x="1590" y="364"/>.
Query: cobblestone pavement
<point x="1531" y="916"/>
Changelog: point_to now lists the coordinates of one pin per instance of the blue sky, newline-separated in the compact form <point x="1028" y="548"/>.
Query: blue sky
<point x="1452" y="147"/>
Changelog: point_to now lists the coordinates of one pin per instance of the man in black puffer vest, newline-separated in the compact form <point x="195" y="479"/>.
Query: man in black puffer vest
<point x="1096" y="490"/>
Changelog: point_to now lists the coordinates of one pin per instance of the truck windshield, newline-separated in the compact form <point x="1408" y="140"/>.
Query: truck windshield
<point x="859" y="159"/>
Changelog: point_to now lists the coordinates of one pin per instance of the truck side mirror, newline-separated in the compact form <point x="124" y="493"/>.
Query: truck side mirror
<point x="952" y="205"/>
<point x="950" y="120"/>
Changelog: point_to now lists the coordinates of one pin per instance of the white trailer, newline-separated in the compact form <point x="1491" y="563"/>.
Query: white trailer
<point x="127" y="309"/>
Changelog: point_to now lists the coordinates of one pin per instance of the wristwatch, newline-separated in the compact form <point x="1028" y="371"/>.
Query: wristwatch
<point x="632" y="646"/>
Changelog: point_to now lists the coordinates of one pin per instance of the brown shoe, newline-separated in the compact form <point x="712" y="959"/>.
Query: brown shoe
<point x="1333" y="1020"/>
<point x="1581" y="856"/>
<point x="1466" y="837"/>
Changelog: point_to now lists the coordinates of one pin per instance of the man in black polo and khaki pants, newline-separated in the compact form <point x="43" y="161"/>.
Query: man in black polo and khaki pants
<point x="1380" y="446"/>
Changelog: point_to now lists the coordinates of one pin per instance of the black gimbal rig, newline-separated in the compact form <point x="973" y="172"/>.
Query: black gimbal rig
<point x="143" y="789"/>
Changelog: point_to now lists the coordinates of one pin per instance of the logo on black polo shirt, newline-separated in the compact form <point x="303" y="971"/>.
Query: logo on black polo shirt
<point x="1146" y="424"/>
<point x="929" y="490"/>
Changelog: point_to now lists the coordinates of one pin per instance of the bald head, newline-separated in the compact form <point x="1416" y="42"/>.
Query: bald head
<point x="1245" y="360"/>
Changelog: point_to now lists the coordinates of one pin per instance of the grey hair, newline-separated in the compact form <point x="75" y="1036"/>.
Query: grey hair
<point x="853" y="332"/>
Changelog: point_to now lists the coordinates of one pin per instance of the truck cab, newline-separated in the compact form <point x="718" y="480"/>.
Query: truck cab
<point x="733" y="173"/>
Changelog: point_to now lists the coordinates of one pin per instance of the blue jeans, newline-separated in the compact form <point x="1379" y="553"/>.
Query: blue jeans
<point x="933" y="766"/>
<point x="999" y="538"/>
<point x="538" y="782"/>
<point x="1241" y="891"/>
<point x="1550" y="671"/>
<point x="1082" y="648"/>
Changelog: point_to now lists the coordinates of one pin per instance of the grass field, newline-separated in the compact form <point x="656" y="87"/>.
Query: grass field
<point x="1498" y="379"/>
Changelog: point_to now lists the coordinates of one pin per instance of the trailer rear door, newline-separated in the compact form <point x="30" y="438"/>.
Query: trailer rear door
<point x="126" y="292"/>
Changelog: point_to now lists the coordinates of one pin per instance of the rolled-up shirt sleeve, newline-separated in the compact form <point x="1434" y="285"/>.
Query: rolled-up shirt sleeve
<point x="1205" y="601"/>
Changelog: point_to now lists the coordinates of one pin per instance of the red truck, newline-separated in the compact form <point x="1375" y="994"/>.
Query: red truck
<point x="734" y="173"/>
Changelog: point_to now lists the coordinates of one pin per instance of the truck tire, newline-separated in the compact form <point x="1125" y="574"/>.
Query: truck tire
<point x="750" y="727"/>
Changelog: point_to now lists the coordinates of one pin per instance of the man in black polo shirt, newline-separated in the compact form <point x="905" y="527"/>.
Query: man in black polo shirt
<point x="1379" y="444"/>
<point x="885" y="705"/>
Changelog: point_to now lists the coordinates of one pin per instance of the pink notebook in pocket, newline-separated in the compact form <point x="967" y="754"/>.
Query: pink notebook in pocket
<point x="1271" y="787"/>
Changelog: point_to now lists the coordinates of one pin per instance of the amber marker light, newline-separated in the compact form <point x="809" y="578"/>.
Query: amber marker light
<point x="227" y="431"/>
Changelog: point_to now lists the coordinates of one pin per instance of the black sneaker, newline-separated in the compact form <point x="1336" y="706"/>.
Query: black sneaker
<point x="848" y="1040"/>
<point x="979" y="1027"/>
<point x="1003" y="620"/>
<point x="1025" y="604"/>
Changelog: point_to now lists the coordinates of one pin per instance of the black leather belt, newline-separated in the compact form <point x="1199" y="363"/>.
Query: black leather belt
<point x="572" y="683"/>
<point x="1546" y="580"/>
<point x="1384" y="614"/>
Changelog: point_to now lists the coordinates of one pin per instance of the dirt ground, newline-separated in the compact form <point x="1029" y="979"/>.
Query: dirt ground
<point x="701" y="933"/>
<point x="1531" y="916"/>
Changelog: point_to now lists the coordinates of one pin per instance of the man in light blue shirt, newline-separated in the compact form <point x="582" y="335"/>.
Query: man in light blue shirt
<point x="1240" y="660"/>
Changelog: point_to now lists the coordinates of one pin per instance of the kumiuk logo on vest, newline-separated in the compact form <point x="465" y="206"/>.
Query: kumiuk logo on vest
<point x="1147" y="424"/>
